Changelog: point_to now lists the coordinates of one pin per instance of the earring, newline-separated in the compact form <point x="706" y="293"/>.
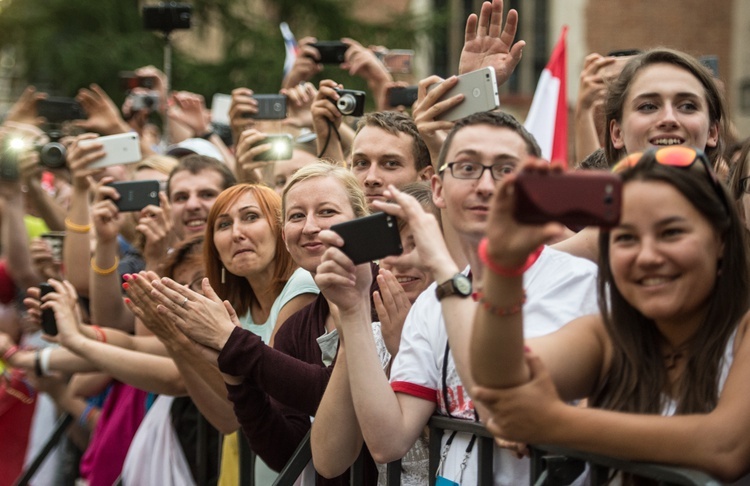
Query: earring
<point x="223" y="275"/>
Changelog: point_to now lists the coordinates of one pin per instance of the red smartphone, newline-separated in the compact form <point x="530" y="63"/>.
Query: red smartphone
<point x="576" y="199"/>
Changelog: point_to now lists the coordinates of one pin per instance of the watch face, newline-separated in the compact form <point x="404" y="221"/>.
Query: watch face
<point x="463" y="284"/>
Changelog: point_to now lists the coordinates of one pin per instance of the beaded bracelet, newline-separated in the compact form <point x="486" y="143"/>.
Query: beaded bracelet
<point x="77" y="228"/>
<point x="99" y="333"/>
<point x="503" y="311"/>
<point x="504" y="271"/>
<point x="104" y="271"/>
<point x="10" y="352"/>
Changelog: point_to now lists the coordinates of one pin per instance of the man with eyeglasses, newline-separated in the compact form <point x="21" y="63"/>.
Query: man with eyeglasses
<point x="430" y="372"/>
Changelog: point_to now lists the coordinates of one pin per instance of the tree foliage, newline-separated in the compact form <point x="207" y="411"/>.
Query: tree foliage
<point x="63" y="45"/>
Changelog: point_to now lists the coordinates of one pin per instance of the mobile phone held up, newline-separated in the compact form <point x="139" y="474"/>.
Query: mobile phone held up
<point x="282" y="146"/>
<point x="402" y="96"/>
<point x="58" y="110"/>
<point x="370" y="238"/>
<point x="480" y="94"/>
<point x="575" y="199"/>
<point x="331" y="52"/>
<point x="122" y="148"/>
<point x="136" y="195"/>
<point x="270" y="107"/>
<point x="49" y="324"/>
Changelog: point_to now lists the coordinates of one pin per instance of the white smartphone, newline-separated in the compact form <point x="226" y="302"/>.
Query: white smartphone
<point x="480" y="94"/>
<point x="220" y="104"/>
<point x="120" y="149"/>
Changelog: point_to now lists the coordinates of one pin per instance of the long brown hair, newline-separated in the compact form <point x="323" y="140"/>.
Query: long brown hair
<point x="637" y="380"/>
<point x="620" y="87"/>
<point x="236" y="289"/>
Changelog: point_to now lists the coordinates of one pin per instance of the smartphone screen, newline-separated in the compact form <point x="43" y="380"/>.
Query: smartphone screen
<point x="49" y="324"/>
<point x="370" y="238"/>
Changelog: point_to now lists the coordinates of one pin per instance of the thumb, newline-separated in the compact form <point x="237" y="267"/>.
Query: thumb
<point x="232" y="314"/>
<point x="535" y="364"/>
<point x="208" y="291"/>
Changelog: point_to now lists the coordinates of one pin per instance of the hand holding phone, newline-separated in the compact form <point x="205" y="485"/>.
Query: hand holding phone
<point x="575" y="199"/>
<point x="370" y="238"/>
<point x="331" y="52"/>
<point x="479" y="89"/>
<point x="282" y="146"/>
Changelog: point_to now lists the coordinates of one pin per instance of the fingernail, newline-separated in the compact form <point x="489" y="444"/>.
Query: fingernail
<point x="125" y="286"/>
<point x="126" y="276"/>
<point x="127" y="301"/>
<point x="527" y="349"/>
<point x="135" y="276"/>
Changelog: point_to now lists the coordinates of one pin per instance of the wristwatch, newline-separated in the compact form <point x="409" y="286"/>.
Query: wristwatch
<point x="459" y="285"/>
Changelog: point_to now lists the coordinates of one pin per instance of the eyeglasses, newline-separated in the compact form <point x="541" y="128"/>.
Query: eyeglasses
<point x="676" y="156"/>
<point x="475" y="170"/>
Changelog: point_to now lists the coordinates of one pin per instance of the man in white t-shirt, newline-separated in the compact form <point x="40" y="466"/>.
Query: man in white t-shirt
<point x="477" y="153"/>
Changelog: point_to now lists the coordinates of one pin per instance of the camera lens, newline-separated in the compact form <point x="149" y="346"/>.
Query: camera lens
<point x="347" y="104"/>
<point x="52" y="155"/>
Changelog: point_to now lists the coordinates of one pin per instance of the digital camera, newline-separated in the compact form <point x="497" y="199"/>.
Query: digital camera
<point x="52" y="154"/>
<point x="167" y="16"/>
<point x="351" y="102"/>
<point x="144" y="101"/>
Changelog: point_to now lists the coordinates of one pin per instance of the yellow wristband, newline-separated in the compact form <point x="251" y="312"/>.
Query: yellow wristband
<point x="104" y="271"/>
<point x="77" y="228"/>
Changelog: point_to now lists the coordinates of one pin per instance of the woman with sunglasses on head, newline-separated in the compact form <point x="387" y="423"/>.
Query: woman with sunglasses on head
<point x="670" y="339"/>
<point x="739" y="183"/>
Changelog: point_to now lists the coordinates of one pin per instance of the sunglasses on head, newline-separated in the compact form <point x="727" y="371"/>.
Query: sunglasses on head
<point x="677" y="156"/>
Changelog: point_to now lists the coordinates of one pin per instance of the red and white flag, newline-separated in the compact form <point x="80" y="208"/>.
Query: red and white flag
<point x="548" y="115"/>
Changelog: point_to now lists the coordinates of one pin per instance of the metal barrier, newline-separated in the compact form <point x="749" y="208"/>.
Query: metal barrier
<point x="60" y="427"/>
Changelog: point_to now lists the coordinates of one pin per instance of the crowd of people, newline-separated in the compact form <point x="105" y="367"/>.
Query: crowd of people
<point x="232" y="302"/>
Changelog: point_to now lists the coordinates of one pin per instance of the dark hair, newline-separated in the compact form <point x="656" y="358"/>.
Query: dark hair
<point x="637" y="378"/>
<point x="422" y="192"/>
<point x="197" y="163"/>
<point x="394" y="123"/>
<point x="495" y="119"/>
<point x="619" y="89"/>
<point x="189" y="250"/>
<point x="596" y="160"/>
<point x="237" y="289"/>
<point x="739" y="169"/>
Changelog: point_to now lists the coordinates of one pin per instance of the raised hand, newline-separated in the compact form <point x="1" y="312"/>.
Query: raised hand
<point x="103" y="115"/>
<point x="392" y="305"/>
<point x="487" y="43"/>
<point x="24" y="109"/>
<point x="342" y="283"/>
<point x="155" y="223"/>
<point x="305" y="66"/>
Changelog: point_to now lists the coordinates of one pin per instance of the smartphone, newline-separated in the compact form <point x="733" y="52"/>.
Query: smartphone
<point x="49" y="324"/>
<point x="57" y="109"/>
<point x="167" y="16"/>
<point x="282" y="146"/>
<point x="711" y="63"/>
<point x="55" y="241"/>
<point x="129" y="80"/>
<point x="136" y="195"/>
<point x="402" y="96"/>
<point x="480" y="94"/>
<point x="370" y="238"/>
<point x="220" y="104"/>
<point x="398" y="61"/>
<point x="122" y="148"/>
<point x="331" y="52"/>
<point x="270" y="107"/>
<point x="576" y="199"/>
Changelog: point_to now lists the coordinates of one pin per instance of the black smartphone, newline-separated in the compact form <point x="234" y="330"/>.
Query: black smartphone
<point x="370" y="238"/>
<point x="136" y="195"/>
<point x="49" y="324"/>
<point x="270" y="107"/>
<point x="402" y="96"/>
<point x="331" y="52"/>
<point x="282" y="146"/>
<point x="167" y="16"/>
<point x="576" y="199"/>
<point x="57" y="109"/>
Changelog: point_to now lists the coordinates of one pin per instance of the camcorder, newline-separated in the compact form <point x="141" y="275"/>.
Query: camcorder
<point x="167" y="16"/>
<point x="351" y="102"/>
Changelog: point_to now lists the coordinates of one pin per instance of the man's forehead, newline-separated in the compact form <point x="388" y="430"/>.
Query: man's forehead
<point x="185" y="180"/>
<point x="376" y="139"/>
<point x="494" y="141"/>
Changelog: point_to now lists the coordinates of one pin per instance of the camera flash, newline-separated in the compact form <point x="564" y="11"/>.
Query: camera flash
<point x="17" y="144"/>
